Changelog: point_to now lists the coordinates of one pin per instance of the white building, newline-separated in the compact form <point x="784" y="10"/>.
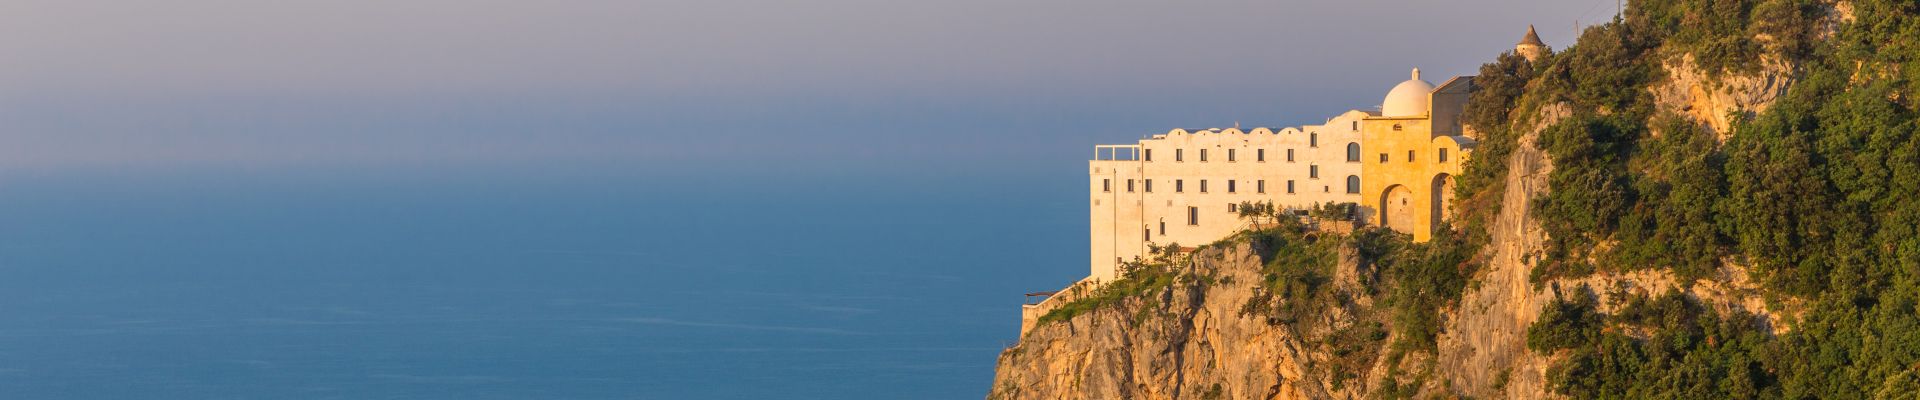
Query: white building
<point x="1183" y="187"/>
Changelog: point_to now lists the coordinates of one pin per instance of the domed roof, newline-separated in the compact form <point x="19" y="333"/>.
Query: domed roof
<point x="1409" y="99"/>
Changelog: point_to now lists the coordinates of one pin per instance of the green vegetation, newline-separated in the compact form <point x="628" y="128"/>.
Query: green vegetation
<point x="1665" y="347"/>
<point x="1296" y="268"/>
<point x="1409" y="284"/>
<point x="1141" y="279"/>
<point x="1817" y="196"/>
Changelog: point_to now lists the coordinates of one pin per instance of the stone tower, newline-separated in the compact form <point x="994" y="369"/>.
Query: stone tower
<point x="1530" y="46"/>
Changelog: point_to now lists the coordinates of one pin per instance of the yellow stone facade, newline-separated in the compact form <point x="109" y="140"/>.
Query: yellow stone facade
<point x="1407" y="181"/>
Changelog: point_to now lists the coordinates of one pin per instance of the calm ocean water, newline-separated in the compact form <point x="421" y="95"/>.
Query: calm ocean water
<point x="234" y="285"/>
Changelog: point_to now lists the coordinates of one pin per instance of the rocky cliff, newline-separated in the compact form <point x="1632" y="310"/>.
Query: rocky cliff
<point x="1236" y="325"/>
<point x="1194" y="339"/>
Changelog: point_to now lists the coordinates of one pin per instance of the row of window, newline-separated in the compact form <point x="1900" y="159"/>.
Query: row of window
<point x="1353" y="154"/>
<point x="1260" y="186"/>
<point x="1260" y="155"/>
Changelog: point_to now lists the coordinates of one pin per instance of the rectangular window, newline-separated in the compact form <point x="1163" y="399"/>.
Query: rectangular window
<point x="1129" y="186"/>
<point x="1231" y="207"/>
<point x="1289" y="186"/>
<point x="1443" y="155"/>
<point x="1313" y="171"/>
<point x="1149" y="186"/>
<point x="1230" y="188"/>
<point x="1409" y="155"/>
<point x="1179" y="186"/>
<point x="1230" y="157"/>
<point x="1260" y="186"/>
<point x="1313" y="139"/>
<point x="1149" y="155"/>
<point x="1203" y="186"/>
<point x="1193" y="215"/>
<point x="1146" y="235"/>
<point x="1383" y="158"/>
<point x="1163" y="228"/>
<point x="1203" y="155"/>
<point x="1356" y="126"/>
<point x="1260" y="155"/>
<point x="1179" y="155"/>
<point x="1289" y="155"/>
<point x="1106" y="185"/>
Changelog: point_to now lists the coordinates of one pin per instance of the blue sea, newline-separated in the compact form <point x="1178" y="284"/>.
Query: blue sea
<point x="119" y="284"/>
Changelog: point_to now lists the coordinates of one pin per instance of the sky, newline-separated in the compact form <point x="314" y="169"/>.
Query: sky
<point x="692" y="87"/>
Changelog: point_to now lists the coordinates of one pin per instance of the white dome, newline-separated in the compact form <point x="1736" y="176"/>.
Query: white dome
<point x="1409" y="99"/>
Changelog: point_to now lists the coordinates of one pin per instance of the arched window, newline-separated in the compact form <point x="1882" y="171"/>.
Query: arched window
<point x="1353" y="152"/>
<point x="1353" y="184"/>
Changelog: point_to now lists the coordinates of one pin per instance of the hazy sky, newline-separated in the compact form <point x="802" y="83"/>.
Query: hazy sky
<point x="682" y="86"/>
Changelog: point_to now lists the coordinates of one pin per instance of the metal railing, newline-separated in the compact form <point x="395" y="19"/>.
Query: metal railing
<point x="1116" y="152"/>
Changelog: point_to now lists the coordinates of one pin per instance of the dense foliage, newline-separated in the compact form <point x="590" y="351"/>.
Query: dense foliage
<point x="1664" y="347"/>
<point x="1819" y="196"/>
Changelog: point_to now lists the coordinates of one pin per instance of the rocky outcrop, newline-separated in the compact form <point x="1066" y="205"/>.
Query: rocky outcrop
<point x="1485" y="342"/>
<point x="1187" y="342"/>
<point x="1716" y="103"/>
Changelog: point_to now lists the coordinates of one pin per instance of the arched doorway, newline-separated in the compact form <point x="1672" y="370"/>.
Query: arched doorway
<point x="1396" y="208"/>
<point x="1442" y="199"/>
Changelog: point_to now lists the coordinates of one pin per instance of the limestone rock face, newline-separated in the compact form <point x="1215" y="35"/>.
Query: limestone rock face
<point x="1714" y="103"/>
<point x="1486" y="340"/>
<point x="1188" y="342"/>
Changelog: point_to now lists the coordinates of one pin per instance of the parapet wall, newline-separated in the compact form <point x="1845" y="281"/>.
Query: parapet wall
<point x="1030" y="313"/>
